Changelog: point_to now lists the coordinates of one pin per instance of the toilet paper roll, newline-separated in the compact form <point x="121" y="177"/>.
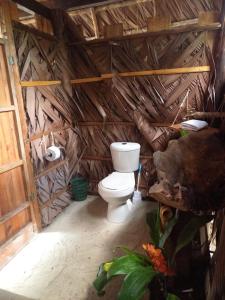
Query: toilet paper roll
<point x="52" y="153"/>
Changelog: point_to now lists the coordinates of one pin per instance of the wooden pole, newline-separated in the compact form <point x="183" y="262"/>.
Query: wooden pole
<point x="95" y="22"/>
<point x="186" y="70"/>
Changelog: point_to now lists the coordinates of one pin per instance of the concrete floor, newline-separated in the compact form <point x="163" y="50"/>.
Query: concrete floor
<point x="61" y="262"/>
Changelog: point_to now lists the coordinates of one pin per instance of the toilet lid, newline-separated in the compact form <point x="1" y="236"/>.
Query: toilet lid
<point x="118" y="181"/>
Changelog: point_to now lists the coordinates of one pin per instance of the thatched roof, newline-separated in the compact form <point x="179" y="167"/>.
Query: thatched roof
<point x="134" y="14"/>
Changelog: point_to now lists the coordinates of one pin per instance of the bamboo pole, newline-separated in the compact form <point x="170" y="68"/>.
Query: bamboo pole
<point x="186" y="70"/>
<point x="40" y="83"/>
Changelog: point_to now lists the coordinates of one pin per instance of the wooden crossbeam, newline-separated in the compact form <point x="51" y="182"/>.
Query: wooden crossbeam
<point x="54" y="128"/>
<point x="177" y="27"/>
<point x="36" y="32"/>
<point x="15" y="212"/>
<point x="173" y="71"/>
<point x="36" y="7"/>
<point x="10" y="166"/>
<point x="95" y="23"/>
<point x="8" y="108"/>
<point x="80" y="4"/>
<point x="39" y="83"/>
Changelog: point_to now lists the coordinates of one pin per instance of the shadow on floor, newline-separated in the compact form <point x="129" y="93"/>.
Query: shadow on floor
<point x="5" y="295"/>
<point x="97" y="208"/>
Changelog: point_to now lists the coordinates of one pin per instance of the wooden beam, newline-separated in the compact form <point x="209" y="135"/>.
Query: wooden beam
<point x="8" y="108"/>
<point x="36" y="7"/>
<point x="53" y="128"/>
<point x="40" y="83"/>
<point x="95" y="23"/>
<point x="175" y="29"/>
<point x="34" y="31"/>
<point x="10" y="166"/>
<point x="186" y="70"/>
<point x="120" y="4"/>
<point x="173" y="71"/>
<point x="14" y="212"/>
<point x="81" y="4"/>
<point x="51" y="168"/>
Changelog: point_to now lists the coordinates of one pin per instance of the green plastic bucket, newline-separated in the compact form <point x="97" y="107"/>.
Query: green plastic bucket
<point x="79" y="188"/>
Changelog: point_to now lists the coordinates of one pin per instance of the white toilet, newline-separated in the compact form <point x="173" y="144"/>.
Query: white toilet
<point x="118" y="187"/>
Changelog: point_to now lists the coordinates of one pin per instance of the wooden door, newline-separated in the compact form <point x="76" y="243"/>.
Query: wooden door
<point x="17" y="192"/>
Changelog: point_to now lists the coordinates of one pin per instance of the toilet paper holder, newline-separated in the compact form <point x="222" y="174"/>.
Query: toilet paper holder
<point x="53" y="152"/>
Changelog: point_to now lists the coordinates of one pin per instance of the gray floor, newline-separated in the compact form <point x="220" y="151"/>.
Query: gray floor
<point x="61" y="262"/>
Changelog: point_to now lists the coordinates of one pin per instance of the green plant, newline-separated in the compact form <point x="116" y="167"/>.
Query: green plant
<point x="139" y="270"/>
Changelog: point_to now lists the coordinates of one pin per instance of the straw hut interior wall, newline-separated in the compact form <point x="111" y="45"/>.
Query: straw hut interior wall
<point x="118" y="71"/>
<point x="85" y="118"/>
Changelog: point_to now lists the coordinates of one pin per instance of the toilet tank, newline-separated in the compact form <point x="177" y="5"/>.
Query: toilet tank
<point x="125" y="156"/>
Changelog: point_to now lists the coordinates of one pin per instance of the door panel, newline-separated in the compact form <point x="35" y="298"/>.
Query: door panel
<point x="17" y="196"/>
<point x="5" y="98"/>
<point x="12" y="187"/>
<point x="10" y="224"/>
<point x="9" y="150"/>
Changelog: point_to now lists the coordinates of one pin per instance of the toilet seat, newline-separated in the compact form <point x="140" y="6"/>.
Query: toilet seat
<point x="117" y="185"/>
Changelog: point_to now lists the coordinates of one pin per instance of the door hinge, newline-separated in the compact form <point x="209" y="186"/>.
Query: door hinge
<point x="32" y="196"/>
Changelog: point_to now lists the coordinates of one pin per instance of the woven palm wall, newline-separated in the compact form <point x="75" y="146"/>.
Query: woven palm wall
<point x="85" y="119"/>
<point x="49" y="118"/>
<point x="127" y="109"/>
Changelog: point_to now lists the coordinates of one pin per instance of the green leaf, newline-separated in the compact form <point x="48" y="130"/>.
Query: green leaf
<point x="153" y="221"/>
<point x="172" y="297"/>
<point x="125" y="265"/>
<point x="189" y="231"/>
<point x="167" y="231"/>
<point x="101" y="280"/>
<point x="135" y="283"/>
<point x="126" y="250"/>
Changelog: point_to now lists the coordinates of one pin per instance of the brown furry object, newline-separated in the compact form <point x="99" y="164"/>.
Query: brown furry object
<point x="191" y="172"/>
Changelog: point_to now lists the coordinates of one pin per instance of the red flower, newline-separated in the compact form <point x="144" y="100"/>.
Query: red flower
<point x="158" y="260"/>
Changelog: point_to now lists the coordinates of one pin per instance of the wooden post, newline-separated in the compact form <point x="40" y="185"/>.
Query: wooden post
<point x="95" y="23"/>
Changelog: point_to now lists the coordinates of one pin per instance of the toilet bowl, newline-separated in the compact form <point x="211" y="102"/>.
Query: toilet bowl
<point x="116" y="189"/>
